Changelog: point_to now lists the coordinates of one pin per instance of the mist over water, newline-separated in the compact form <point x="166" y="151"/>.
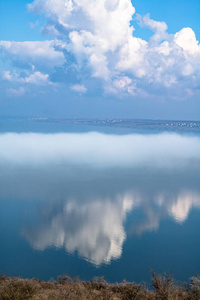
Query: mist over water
<point x="91" y="195"/>
<point x="100" y="150"/>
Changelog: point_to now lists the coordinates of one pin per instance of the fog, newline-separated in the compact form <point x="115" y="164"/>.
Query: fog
<point x="100" y="150"/>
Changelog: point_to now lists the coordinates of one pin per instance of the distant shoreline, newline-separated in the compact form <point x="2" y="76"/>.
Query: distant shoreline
<point x="166" y="125"/>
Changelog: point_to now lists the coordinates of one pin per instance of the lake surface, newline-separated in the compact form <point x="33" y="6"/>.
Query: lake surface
<point x="111" y="203"/>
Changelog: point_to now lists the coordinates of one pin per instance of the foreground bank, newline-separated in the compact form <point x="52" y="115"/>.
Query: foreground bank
<point x="162" y="287"/>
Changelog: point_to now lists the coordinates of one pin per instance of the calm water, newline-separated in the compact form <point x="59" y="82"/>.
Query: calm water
<point x="115" y="204"/>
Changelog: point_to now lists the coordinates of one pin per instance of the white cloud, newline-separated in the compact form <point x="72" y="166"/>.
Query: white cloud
<point x="109" y="25"/>
<point x="162" y="64"/>
<point x="79" y="88"/>
<point x="19" y="92"/>
<point x="94" y="28"/>
<point x="132" y="57"/>
<point x="7" y="75"/>
<point x="159" y="28"/>
<point x="186" y="39"/>
<point x="40" y="54"/>
<point x="37" y="78"/>
<point x="99" y="36"/>
<point x="125" y="84"/>
<point x="122" y="82"/>
<point x="34" y="78"/>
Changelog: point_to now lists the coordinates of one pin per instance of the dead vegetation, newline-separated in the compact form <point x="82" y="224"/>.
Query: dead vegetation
<point x="163" y="287"/>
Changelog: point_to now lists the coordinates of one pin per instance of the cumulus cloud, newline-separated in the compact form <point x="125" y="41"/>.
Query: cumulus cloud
<point x="162" y="62"/>
<point x="97" y="39"/>
<point x="186" y="39"/>
<point x="94" y="29"/>
<point x="109" y="28"/>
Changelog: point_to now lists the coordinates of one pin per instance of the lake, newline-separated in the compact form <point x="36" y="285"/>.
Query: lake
<point x="92" y="201"/>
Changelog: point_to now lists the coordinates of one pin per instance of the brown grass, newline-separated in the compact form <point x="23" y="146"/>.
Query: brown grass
<point x="163" y="288"/>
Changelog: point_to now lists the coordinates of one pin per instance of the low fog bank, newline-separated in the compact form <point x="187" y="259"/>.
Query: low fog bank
<point x="100" y="150"/>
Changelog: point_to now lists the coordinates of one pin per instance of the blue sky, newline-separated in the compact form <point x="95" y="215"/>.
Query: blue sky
<point x="105" y="58"/>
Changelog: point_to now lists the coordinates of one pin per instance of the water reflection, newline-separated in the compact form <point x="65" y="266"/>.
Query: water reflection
<point x="162" y="205"/>
<point x="93" y="229"/>
<point x="96" y="229"/>
<point x="87" y="186"/>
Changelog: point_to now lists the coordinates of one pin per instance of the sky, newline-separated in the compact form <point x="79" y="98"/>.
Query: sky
<point x="100" y="59"/>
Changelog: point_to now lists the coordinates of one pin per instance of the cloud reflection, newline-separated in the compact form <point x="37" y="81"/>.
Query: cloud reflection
<point x="176" y="205"/>
<point x="95" y="230"/>
<point x="181" y="207"/>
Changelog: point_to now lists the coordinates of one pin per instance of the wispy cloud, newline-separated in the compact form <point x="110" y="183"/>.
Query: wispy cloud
<point x="42" y="55"/>
<point x="79" y="88"/>
<point x="28" y="77"/>
<point x="19" y="92"/>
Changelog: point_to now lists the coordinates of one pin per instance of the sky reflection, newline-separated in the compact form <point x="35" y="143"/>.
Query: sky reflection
<point x="86" y="186"/>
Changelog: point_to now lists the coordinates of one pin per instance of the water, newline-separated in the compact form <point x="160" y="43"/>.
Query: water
<point x="115" y="204"/>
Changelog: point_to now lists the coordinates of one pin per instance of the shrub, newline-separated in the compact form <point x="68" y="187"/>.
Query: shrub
<point x="16" y="289"/>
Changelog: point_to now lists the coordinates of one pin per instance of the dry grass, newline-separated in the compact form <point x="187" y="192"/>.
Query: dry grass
<point x="164" y="288"/>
